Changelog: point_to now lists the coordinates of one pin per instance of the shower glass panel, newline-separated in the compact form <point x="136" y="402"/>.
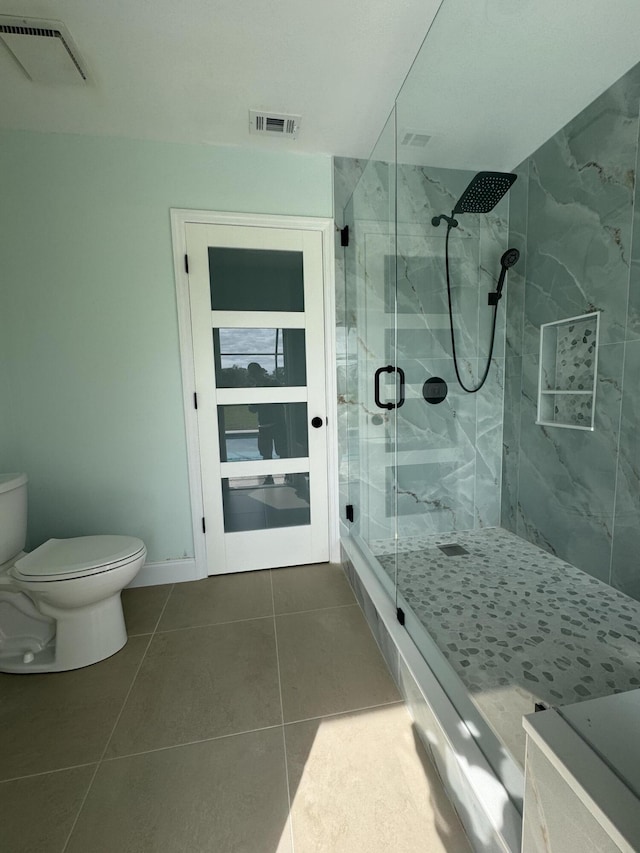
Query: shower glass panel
<point x="448" y="445"/>
<point x="425" y="474"/>
<point x="372" y="391"/>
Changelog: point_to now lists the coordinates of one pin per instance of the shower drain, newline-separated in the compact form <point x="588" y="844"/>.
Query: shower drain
<point x="453" y="550"/>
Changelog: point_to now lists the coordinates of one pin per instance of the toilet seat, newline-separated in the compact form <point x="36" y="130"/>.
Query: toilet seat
<point x="66" y="559"/>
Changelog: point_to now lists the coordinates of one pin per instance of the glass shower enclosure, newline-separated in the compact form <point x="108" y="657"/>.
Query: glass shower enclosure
<point x="499" y="522"/>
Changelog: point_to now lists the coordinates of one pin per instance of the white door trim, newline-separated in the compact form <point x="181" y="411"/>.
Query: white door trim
<point x="179" y="220"/>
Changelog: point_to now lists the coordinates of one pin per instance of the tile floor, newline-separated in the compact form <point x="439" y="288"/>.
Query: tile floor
<point x="248" y="712"/>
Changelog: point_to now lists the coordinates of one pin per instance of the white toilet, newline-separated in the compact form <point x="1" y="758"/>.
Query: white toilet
<point x="60" y="605"/>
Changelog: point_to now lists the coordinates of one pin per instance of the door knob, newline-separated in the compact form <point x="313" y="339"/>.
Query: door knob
<point x="316" y="422"/>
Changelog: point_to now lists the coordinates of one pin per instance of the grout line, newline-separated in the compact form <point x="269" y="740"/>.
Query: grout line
<point x="249" y="619"/>
<point x="619" y="442"/>
<point x="213" y="624"/>
<point x="192" y="743"/>
<point x="47" y="772"/>
<point x="104" y="751"/>
<point x="284" y="739"/>
<point x="161" y="614"/>
<point x="348" y="711"/>
<point x="318" y="609"/>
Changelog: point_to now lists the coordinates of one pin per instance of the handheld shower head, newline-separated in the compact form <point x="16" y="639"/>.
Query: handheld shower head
<point x="509" y="258"/>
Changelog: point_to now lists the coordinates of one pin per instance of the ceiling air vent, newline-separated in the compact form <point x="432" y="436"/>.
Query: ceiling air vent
<point x="274" y="124"/>
<point x="43" y="49"/>
<point x="414" y="139"/>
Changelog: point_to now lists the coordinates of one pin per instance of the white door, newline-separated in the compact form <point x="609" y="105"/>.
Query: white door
<point x="256" y="297"/>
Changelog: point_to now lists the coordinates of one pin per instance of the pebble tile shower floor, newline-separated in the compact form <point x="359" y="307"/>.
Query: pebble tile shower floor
<point x="518" y="625"/>
<point x="248" y="712"/>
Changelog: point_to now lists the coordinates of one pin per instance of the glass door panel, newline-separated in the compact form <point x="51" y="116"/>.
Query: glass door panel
<point x="375" y="385"/>
<point x="279" y="354"/>
<point x="255" y="279"/>
<point x="265" y="503"/>
<point x="263" y="431"/>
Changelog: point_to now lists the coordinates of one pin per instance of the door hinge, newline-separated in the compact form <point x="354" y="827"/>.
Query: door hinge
<point x="349" y="512"/>
<point x="344" y="236"/>
<point x="400" y="615"/>
<point x="186" y="264"/>
<point x="204" y="526"/>
<point x="195" y="400"/>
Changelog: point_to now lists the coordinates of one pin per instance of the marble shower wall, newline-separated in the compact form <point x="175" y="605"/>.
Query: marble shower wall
<point x="575" y="217"/>
<point x="449" y="455"/>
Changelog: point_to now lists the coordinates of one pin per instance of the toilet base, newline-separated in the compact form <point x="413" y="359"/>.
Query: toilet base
<point x="83" y="637"/>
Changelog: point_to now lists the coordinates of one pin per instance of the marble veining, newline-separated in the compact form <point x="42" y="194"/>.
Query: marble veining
<point x="575" y="493"/>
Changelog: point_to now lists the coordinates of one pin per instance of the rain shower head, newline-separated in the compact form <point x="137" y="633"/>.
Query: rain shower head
<point x="484" y="192"/>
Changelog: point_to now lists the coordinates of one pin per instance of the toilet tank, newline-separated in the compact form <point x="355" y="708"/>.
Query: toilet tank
<point x="13" y="515"/>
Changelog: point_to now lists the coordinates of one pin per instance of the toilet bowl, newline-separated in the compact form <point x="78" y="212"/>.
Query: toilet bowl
<point x="60" y="604"/>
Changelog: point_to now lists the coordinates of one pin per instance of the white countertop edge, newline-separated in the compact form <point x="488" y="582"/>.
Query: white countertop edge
<point x="603" y="793"/>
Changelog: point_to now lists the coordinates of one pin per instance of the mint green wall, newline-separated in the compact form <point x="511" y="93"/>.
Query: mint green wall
<point x="7" y="429"/>
<point x="88" y="322"/>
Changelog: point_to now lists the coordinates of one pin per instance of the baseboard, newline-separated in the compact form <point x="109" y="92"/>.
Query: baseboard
<point x="169" y="571"/>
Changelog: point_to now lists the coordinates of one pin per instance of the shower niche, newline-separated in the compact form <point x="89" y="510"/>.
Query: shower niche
<point x="567" y="372"/>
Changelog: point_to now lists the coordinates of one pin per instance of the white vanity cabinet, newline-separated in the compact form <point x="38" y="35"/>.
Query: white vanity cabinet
<point x="582" y="777"/>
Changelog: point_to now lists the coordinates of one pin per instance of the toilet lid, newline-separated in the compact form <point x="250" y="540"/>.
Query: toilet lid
<point x="85" y="555"/>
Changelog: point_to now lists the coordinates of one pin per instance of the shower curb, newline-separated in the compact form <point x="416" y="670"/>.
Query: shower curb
<point x="490" y="818"/>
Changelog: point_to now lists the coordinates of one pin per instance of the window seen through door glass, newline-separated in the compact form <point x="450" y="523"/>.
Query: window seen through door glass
<point x="255" y="280"/>
<point x="259" y="358"/>
<point x="263" y="431"/>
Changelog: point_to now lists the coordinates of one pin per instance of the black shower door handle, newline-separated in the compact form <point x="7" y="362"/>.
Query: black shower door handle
<point x="376" y="387"/>
<point x="400" y="402"/>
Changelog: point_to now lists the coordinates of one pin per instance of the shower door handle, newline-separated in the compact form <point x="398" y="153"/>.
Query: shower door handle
<point x="376" y="387"/>
<point x="400" y="402"/>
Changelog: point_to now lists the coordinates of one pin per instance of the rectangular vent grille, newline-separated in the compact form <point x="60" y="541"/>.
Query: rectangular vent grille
<point x="275" y="124"/>
<point x="414" y="139"/>
<point x="30" y="31"/>
<point x="22" y="38"/>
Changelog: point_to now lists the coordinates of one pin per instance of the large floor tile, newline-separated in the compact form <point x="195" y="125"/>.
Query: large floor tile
<point x="37" y="813"/>
<point x="224" y="598"/>
<point x="200" y="683"/>
<point x="64" y="718"/>
<point x="224" y="795"/>
<point x="142" y="607"/>
<point x="330" y="663"/>
<point x="362" y="783"/>
<point x="310" y="587"/>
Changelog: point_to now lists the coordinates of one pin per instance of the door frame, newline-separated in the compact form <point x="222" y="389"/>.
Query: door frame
<point x="179" y="219"/>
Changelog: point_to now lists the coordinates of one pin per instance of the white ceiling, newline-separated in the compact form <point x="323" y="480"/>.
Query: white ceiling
<point x="190" y="70"/>
<point x="496" y="77"/>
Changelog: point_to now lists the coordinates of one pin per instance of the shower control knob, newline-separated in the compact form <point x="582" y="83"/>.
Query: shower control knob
<point x="316" y="422"/>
